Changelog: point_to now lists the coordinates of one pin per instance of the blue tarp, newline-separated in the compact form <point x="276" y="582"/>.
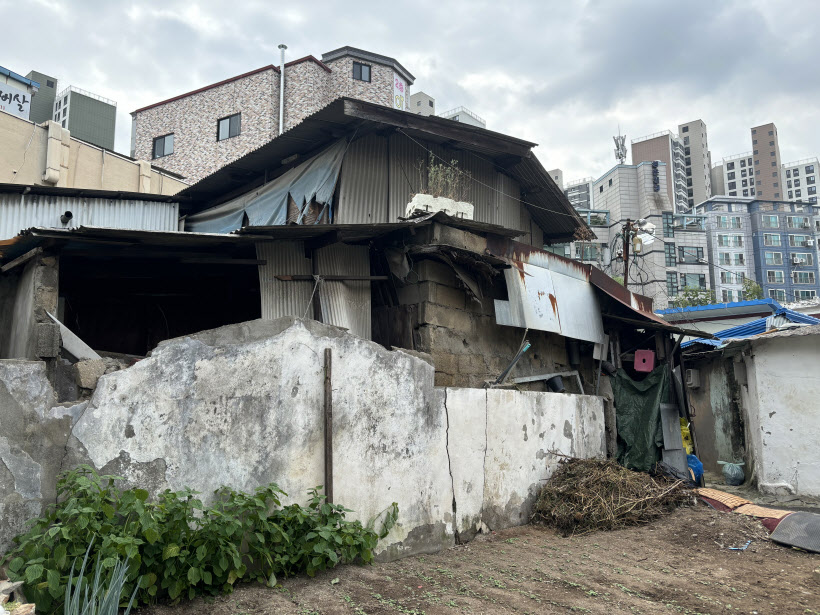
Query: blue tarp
<point x="312" y="181"/>
<point x="753" y="328"/>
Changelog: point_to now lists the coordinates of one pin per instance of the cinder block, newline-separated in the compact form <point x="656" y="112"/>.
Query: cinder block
<point x="47" y="340"/>
<point x="434" y="314"/>
<point x="88" y="372"/>
<point x="445" y="380"/>
<point x="446" y="362"/>
<point x="446" y="295"/>
<point x="433" y="271"/>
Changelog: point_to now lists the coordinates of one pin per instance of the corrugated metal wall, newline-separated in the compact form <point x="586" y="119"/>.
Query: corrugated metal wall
<point x="345" y="304"/>
<point x="377" y="169"/>
<point x="363" y="183"/>
<point x="18" y="212"/>
<point x="283" y="298"/>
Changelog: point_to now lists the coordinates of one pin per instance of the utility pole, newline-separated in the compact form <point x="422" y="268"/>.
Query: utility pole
<point x="627" y="234"/>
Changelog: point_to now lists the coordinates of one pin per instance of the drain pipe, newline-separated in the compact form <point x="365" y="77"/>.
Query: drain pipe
<point x="282" y="48"/>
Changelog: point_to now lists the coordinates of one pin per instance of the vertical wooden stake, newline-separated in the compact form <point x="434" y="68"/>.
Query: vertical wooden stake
<point x="328" y="428"/>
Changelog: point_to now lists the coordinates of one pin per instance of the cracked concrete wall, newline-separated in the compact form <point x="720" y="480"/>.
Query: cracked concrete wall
<point x="243" y="405"/>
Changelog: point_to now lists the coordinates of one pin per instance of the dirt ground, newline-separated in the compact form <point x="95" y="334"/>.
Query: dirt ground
<point x="679" y="564"/>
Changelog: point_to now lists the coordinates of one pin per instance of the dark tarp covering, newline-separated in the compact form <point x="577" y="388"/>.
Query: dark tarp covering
<point x="637" y="416"/>
<point x="313" y="180"/>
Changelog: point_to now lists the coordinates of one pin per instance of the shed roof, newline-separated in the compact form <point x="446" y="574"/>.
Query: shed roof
<point x="753" y="328"/>
<point x="545" y="201"/>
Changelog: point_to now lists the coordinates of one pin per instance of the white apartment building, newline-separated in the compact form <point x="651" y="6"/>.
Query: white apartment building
<point x="733" y="176"/>
<point x="422" y="103"/>
<point x="801" y="180"/>
<point x="465" y="116"/>
<point x="579" y="192"/>
<point x="698" y="161"/>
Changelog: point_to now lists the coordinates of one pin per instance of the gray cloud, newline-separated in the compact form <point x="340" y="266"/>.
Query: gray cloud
<point x="562" y="74"/>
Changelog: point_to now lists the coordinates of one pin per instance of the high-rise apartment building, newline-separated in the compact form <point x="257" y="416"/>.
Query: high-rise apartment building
<point x="669" y="149"/>
<point x="558" y="176"/>
<point x="698" y="161"/>
<point x="42" y="104"/>
<point x="89" y="117"/>
<point x="580" y="194"/>
<point x="801" y="179"/>
<point x="766" y="154"/>
<point x="734" y="176"/>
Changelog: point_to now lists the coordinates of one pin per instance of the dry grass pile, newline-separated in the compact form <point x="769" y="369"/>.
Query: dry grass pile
<point x="586" y="495"/>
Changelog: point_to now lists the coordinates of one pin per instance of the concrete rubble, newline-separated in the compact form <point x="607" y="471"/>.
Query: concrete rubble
<point x="242" y="405"/>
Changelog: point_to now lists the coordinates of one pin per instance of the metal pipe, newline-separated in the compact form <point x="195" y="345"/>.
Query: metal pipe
<point x="282" y="48"/>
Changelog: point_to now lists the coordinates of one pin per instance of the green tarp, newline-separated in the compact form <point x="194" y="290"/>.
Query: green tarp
<point x="637" y="416"/>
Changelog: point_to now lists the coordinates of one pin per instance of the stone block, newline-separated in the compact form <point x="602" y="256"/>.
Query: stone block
<point x="434" y="271"/>
<point x="433" y="314"/>
<point x="447" y="296"/>
<point x="88" y="372"/>
<point x="446" y="362"/>
<point x="444" y="380"/>
<point x="47" y="340"/>
<point x="472" y="364"/>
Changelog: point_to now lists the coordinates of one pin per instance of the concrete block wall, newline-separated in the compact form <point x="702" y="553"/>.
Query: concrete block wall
<point x="243" y="406"/>
<point x="467" y="346"/>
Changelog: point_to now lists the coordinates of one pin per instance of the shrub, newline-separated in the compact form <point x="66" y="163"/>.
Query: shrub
<point x="176" y="547"/>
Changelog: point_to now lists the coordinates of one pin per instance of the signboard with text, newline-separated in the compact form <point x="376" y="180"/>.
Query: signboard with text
<point x="399" y="93"/>
<point x="14" y="101"/>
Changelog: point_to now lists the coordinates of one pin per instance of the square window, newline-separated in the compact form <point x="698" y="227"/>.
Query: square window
<point x="730" y="166"/>
<point x="771" y="153"/>
<point x="796" y="172"/>
<point x="774" y="163"/>
<point x="754" y="132"/>
<point x="163" y="146"/>
<point x="228" y="127"/>
<point x="755" y="152"/>
<point x="771" y="143"/>
<point x="49" y="83"/>
<point x="430" y="102"/>
<point x="788" y="173"/>
<point x="418" y="103"/>
<point x="686" y="129"/>
<point x="771" y="132"/>
<point x="361" y="72"/>
<point x="796" y="183"/>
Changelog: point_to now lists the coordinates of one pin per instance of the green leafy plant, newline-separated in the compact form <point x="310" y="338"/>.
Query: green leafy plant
<point x="177" y="548"/>
<point x="692" y="296"/>
<point x="444" y="179"/>
<point x="751" y="290"/>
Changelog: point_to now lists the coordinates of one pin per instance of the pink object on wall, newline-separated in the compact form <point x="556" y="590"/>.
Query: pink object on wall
<point x="644" y="360"/>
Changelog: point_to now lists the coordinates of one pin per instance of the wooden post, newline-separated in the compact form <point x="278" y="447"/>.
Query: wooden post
<point x="328" y="428"/>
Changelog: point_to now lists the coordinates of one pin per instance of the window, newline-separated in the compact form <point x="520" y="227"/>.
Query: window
<point x="729" y="222"/>
<point x="687" y="151"/>
<point x="49" y="83"/>
<point x="805" y="295"/>
<point x="799" y="241"/>
<point x="600" y="188"/>
<point x="773" y="258"/>
<point x="777" y="294"/>
<point x="730" y="166"/>
<point x="803" y="258"/>
<point x="730" y="296"/>
<point x="796" y="172"/>
<point x="738" y="259"/>
<point x="745" y="192"/>
<point x="731" y="175"/>
<point x="811" y="190"/>
<point x="693" y="280"/>
<point x="774" y="277"/>
<point x="769" y="222"/>
<point x="730" y="241"/>
<point x="742" y="164"/>
<point x="610" y="182"/>
<point x="418" y="103"/>
<point x="732" y="185"/>
<point x="669" y="254"/>
<point x="668" y="225"/>
<point x="756" y="152"/>
<point x="797" y="194"/>
<point x="754" y="132"/>
<point x="690" y="254"/>
<point x="771" y="239"/>
<point x="745" y="183"/>
<point x="788" y="173"/>
<point x="771" y="153"/>
<point x="809" y="169"/>
<point x="771" y="132"/>
<point x="586" y="251"/>
<point x="430" y="102"/>
<point x="361" y="72"/>
<point x="727" y="277"/>
<point x="733" y="193"/>
<point x="63" y="123"/>
<point x="724" y="258"/>
<point x="671" y="283"/>
<point x="790" y="194"/>
<point x="687" y="161"/>
<point x="803" y="277"/>
<point x="228" y="127"/>
<point x="686" y="140"/>
<point x="811" y="180"/>
<point x="789" y="184"/>
<point x="797" y="222"/>
<point x="163" y="146"/>
<point x="774" y="164"/>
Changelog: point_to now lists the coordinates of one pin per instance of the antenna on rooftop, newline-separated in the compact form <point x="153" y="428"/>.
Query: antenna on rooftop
<point x="620" y="146"/>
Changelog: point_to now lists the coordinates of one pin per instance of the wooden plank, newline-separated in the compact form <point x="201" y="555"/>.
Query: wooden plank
<point x="21" y="259"/>
<point x="670" y="423"/>
<point x="328" y="412"/>
<point x="304" y="278"/>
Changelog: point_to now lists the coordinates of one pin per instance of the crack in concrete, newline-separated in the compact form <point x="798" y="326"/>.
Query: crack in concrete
<point x="450" y="469"/>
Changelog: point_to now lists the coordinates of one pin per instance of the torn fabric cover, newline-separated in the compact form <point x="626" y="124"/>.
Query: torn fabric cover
<point x="637" y="417"/>
<point x="313" y="180"/>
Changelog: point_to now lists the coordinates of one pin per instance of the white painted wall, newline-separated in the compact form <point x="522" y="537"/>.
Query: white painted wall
<point x="783" y="421"/>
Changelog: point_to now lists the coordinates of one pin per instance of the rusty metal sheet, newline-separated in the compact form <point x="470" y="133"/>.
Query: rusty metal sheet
<point x="550" y="301"/>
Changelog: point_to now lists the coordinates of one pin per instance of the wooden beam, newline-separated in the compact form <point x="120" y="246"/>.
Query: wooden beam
<point x="20" y="260"/>
<point x="222" y="261"/>
<point x="346" y="278"/>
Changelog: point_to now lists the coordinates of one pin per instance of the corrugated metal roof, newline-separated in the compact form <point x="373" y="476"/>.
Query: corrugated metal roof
<point x="545" y="201"/>
<point x="749" y="329"/>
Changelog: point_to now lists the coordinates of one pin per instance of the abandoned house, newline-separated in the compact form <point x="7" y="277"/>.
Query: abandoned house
<point x="342" y="220"/>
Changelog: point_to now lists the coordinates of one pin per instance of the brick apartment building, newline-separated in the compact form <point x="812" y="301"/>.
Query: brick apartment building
<point x="201" y="131"/>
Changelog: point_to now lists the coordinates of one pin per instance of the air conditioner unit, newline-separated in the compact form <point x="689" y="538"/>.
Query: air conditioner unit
<point x="798" y="261"/>
<point x="692" y="378"/>
<point x="810" y="242"/>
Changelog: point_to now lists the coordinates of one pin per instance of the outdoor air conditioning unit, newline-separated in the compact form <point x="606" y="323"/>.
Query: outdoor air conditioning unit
<point x="810" y="242"/>
<point x="798" y="261"/>
<point x="692" y="378"/>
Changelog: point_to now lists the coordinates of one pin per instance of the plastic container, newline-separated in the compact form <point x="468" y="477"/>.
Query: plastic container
<point x="733" y="473"/>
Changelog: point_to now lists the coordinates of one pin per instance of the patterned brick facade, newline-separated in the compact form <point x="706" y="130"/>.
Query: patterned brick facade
<point x="192" y="118"/>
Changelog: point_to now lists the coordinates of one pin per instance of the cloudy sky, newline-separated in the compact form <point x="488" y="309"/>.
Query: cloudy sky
<point x="563" y="74"/>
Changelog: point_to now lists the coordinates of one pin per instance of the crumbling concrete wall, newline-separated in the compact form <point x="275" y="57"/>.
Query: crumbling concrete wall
<point x="29" y="292"/>
<point x="243" y="405"/>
